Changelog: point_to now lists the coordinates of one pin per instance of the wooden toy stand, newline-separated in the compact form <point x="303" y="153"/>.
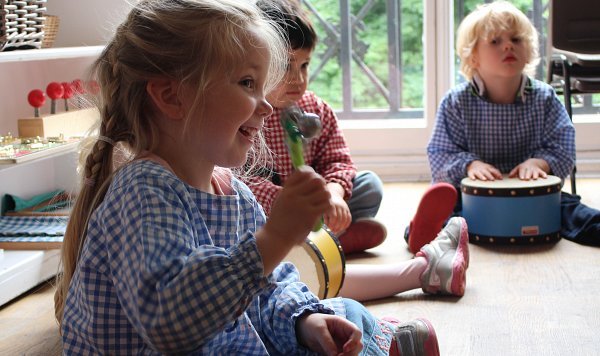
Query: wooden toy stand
<point x="70" y="124"/>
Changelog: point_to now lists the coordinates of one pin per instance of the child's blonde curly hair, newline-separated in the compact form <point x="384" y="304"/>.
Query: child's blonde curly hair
<point x="485" y="22"/>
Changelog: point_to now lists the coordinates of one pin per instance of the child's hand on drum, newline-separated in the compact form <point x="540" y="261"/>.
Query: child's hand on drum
<point x="479" y="170"/>
<point x="302" y="201"/>
<point x="533" y="168"/>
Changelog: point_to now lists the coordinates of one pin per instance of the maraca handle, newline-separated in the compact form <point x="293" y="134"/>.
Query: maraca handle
<point x="293" y="138"/>
<point x="294" y="143"/>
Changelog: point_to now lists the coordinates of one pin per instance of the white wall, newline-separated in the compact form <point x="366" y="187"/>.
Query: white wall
<point x="86" y="22"/>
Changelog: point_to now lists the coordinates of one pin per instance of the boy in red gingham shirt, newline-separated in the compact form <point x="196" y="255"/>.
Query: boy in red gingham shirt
<point x="356" y="195"/>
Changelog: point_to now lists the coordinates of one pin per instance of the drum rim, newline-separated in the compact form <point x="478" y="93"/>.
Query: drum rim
<point x="314" y="247"/>
<point x="505" y="191"/>
<point x="323" y="287"/>
<point x="514" y="240"/>
<point x="342" y="262"/>
<point x="481" y="184"/>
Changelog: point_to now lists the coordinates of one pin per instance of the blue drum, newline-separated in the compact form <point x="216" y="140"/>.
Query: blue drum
<point x="512" y="211"/>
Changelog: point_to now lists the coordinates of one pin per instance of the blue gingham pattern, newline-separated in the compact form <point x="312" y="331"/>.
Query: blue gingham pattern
<point x="32" y="225"/>
<point x="169" y="269"/>
<point x="469" y="128"/>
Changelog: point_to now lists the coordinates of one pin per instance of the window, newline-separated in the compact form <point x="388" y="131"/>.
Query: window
<point x="369" y="59"/>
<point x="384" y="66"/>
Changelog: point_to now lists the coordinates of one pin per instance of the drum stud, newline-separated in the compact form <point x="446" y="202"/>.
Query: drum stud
<point x="549" y="190"/>
<point x="475" y="191"/>
<point x="547" y="238"/>
<point x="477" y="237"/>
<point x="532" y="191"/>
<point x="512" y="240"/>
<point x="491" y="239"/>
<point x="512" y="192"/>
<point x="490" y="192"/>
<point x="531" y="239"/>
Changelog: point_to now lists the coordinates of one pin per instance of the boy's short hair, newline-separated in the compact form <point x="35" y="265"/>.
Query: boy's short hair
<point x="293" y="21"/>
<point x="488" y="20"/>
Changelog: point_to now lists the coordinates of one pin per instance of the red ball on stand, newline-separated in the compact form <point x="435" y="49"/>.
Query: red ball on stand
<point x="36" y="98"/>
<point x="67" y="93"/>
<point x="93" y="87"/>
<point x="78" y="86"/>
<point x="55" y="91"/>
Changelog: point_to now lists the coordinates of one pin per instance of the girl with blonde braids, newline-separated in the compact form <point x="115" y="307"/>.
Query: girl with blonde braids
<point x="169" y="253"/>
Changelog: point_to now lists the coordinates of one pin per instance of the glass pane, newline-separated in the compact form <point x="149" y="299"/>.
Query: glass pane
<point x="385" y="61"/>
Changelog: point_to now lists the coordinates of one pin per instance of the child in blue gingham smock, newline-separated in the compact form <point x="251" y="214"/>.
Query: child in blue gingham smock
<point x="470" y="128"/>
<point x="504" y="122"/>
<point x="166" y="252"/>
<point x="501" y="121"/>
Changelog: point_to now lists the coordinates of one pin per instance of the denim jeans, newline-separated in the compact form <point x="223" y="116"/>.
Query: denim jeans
<point x="377" y="335"/>
<point x="367" y="193"/>
<point x="579" y="222"/>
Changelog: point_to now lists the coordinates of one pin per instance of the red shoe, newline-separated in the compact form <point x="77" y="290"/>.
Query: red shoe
<point x="435" y="207"/>
<point x="362" y="234"/>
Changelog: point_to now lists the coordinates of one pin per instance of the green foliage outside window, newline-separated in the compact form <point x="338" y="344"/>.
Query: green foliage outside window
<point x="370" y="43"/>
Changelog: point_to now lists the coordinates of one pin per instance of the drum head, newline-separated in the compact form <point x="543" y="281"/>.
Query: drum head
<point x="510" y="183"/>
<point x="312" y="272"/>
<point x="321" y="263"/>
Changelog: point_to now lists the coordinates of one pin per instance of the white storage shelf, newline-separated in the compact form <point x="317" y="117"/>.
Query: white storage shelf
<point x="22" y="71"/>
<point x="45" y="54"/>
<point x="25" y="70"/>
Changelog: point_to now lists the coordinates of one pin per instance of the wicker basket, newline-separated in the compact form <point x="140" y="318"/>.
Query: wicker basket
<point x="21" y="24"/>
<point x="50" y="30"/>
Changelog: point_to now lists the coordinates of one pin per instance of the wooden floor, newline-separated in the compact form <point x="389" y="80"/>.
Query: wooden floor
<point x="532" y="300"/>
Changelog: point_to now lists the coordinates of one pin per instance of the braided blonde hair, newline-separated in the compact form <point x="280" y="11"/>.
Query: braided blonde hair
<point x="194" y="42"/>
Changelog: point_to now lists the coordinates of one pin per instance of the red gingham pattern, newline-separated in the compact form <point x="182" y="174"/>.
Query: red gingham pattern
<point x="328" y="154"/>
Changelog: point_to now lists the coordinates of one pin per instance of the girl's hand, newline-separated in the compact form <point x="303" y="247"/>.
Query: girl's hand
<point x="533" y="168"/>
<point x="479" y="170"/>
<point x="338" y="218"/>
<point x="328" y="334"/>
<point x="302" y="201"/>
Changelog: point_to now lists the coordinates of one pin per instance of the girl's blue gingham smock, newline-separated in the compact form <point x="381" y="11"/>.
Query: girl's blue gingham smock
<point x="166" y="268"/>
<point x="468" y="128"/>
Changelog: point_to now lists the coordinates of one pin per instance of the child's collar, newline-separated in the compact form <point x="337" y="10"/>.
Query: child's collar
<point x="478" y="87"/>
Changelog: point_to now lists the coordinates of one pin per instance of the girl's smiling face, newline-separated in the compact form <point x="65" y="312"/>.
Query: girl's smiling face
<point x="222" y="130"/>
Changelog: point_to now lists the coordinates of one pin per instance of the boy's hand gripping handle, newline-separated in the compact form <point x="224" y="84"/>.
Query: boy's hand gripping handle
<point x="294" y="140"/>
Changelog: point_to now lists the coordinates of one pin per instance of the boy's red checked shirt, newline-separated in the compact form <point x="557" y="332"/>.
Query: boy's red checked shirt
<point x="327" y="154"/>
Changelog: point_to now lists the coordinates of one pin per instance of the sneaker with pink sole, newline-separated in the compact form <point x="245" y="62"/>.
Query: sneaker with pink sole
<point x="447" y="260"/>
<point x="413" y="338"/>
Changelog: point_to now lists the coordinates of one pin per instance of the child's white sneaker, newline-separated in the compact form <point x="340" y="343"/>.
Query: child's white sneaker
<point x="447" y="260"/>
